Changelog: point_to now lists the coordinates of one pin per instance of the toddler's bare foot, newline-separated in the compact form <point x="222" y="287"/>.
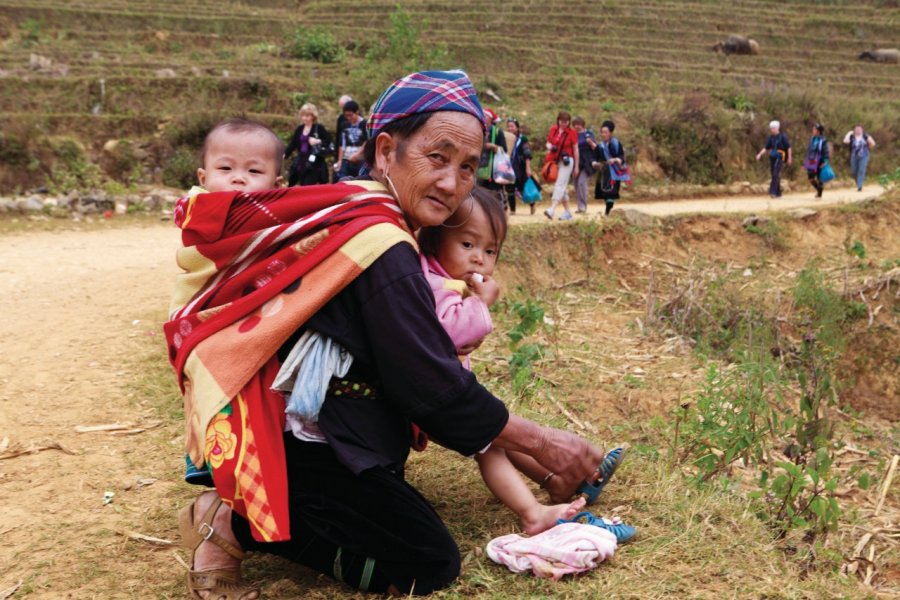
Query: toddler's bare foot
<point x="541" y="518"/>
<point x="558" y="491"/>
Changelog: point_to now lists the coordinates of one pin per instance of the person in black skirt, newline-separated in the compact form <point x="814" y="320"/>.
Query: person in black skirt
<point x="816" y="157"/>
<point x="608" y="154"/>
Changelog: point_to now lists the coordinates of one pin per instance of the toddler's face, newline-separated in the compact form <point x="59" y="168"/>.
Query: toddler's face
<point x="240" y="161"/>
<point x="470" y="247"/>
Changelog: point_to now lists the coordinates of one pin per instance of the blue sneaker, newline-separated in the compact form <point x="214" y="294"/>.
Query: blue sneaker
<point x="607" y="468"/>
<point x="566" y="216"/>
<point x="615" y="526"/>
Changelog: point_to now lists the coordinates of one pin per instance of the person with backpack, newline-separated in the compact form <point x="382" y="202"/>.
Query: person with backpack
<point x="779" y="147"/>
<point x="494" y="140"/>
<point x="860" y="144"/>
<point x="609" y="159"/>
<point x="562" y="149"/>
<point x="520" y="155"/>
<point x="816" y="157"/>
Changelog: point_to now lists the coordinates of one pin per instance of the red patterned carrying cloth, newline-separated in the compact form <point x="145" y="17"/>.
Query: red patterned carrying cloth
<point x="256" y="267"/>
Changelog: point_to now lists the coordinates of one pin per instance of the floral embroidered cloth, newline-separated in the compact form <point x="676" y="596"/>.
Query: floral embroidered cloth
<point x="256" y="267"/>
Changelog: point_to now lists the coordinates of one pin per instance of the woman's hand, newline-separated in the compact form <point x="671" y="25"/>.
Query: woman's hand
<point x="314" y="141"/>
<point x="571" y="458"/>
<point x="550" y="147"/>
<point x="759" y="155"/>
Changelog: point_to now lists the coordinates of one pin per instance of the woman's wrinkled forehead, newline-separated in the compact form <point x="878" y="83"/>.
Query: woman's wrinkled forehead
<point x="451" y="132"/>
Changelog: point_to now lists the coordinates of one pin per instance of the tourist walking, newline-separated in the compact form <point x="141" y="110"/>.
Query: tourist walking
<point x="520" y="155"/>
<point x="779" y="148"/>
<point x="562" y="149"/>
<point x="609" y="158"/>
<point x="494" y="140"/>
<point x="312" y="142"/>
<point x="861" y="143"/>
<point x="585" y="163"/>
<point x="338" y="130"/>
<point x="816" y="157"/>
<point x="350" y="142"/>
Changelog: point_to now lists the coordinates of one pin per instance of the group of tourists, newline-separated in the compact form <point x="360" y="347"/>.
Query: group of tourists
<point x="312" y="144"/>
<point x="817" y="162"/>
<point x="574" y="154"/>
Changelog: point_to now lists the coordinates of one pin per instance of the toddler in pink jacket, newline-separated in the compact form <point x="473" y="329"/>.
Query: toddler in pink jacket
<point x="458" y="258"/>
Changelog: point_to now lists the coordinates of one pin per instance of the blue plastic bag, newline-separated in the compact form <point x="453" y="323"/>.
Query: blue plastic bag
<point x="531" y="193"/>
<point x="827" y="173"/>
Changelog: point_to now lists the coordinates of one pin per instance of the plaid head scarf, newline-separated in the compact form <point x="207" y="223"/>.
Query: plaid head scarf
<point x="426" y="91"/>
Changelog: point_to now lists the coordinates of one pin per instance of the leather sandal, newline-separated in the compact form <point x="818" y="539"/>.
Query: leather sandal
<point x="221" y="584"/>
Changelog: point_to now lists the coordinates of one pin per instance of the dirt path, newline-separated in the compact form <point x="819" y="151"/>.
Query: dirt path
<point x="727" y="204"/>
<point x="75" y="307"/>
<point x="69" y="303"/>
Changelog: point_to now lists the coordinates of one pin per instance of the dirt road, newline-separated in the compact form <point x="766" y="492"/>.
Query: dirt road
<point x="76" y="306"/>
<point x="727" y="204"/>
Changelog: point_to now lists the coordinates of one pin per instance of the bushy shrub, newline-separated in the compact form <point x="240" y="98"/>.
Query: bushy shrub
<point x="180" y="170"/>
<point x="315" y="44"/>
<point x="122" y="164"/>
<point x="691" y="141"/>
<point x="72" y="169"/>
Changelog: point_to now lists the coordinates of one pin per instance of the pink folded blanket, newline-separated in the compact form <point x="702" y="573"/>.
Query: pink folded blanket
<point x="564" y="549"/>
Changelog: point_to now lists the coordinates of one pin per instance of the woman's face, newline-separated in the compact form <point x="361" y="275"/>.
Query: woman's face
<point x="307" y="118"/>
<point x="512" y="127"/>
<point x="433" y="170"/>
<point x="857" y="131"/>
<point x="605" y="134"/>
<point x="815" y="131"/>
<point x="563" y="123"/>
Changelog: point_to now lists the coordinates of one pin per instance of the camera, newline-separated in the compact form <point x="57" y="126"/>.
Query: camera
<point x="566" y="160"/>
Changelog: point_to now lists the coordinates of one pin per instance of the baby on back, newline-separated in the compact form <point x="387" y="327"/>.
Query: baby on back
<point x="241" y="155"/>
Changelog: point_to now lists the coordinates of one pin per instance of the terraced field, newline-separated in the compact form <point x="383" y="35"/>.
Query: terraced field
<point x="125" y="68"/>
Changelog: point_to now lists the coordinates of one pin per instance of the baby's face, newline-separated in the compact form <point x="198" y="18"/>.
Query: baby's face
<point x="240" y="161"/>
<point x="470" y="247"/>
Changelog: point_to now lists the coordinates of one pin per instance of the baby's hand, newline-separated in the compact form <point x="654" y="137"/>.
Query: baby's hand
<point x="488" y="289"/>
<point x="469" y="348"/>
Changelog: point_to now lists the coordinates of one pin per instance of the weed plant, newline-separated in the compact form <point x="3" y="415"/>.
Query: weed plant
<point x="766" y="411"/>
<point x="530" y="317"/>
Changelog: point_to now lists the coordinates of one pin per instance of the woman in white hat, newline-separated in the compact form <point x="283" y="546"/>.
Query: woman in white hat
<point x="779" y="148"/>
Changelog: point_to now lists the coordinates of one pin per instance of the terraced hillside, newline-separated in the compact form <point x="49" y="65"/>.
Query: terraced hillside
<point x="75" y="74"/>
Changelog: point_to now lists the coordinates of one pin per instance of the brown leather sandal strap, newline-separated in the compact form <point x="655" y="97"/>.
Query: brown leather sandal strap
<point x="206" y="531"/>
